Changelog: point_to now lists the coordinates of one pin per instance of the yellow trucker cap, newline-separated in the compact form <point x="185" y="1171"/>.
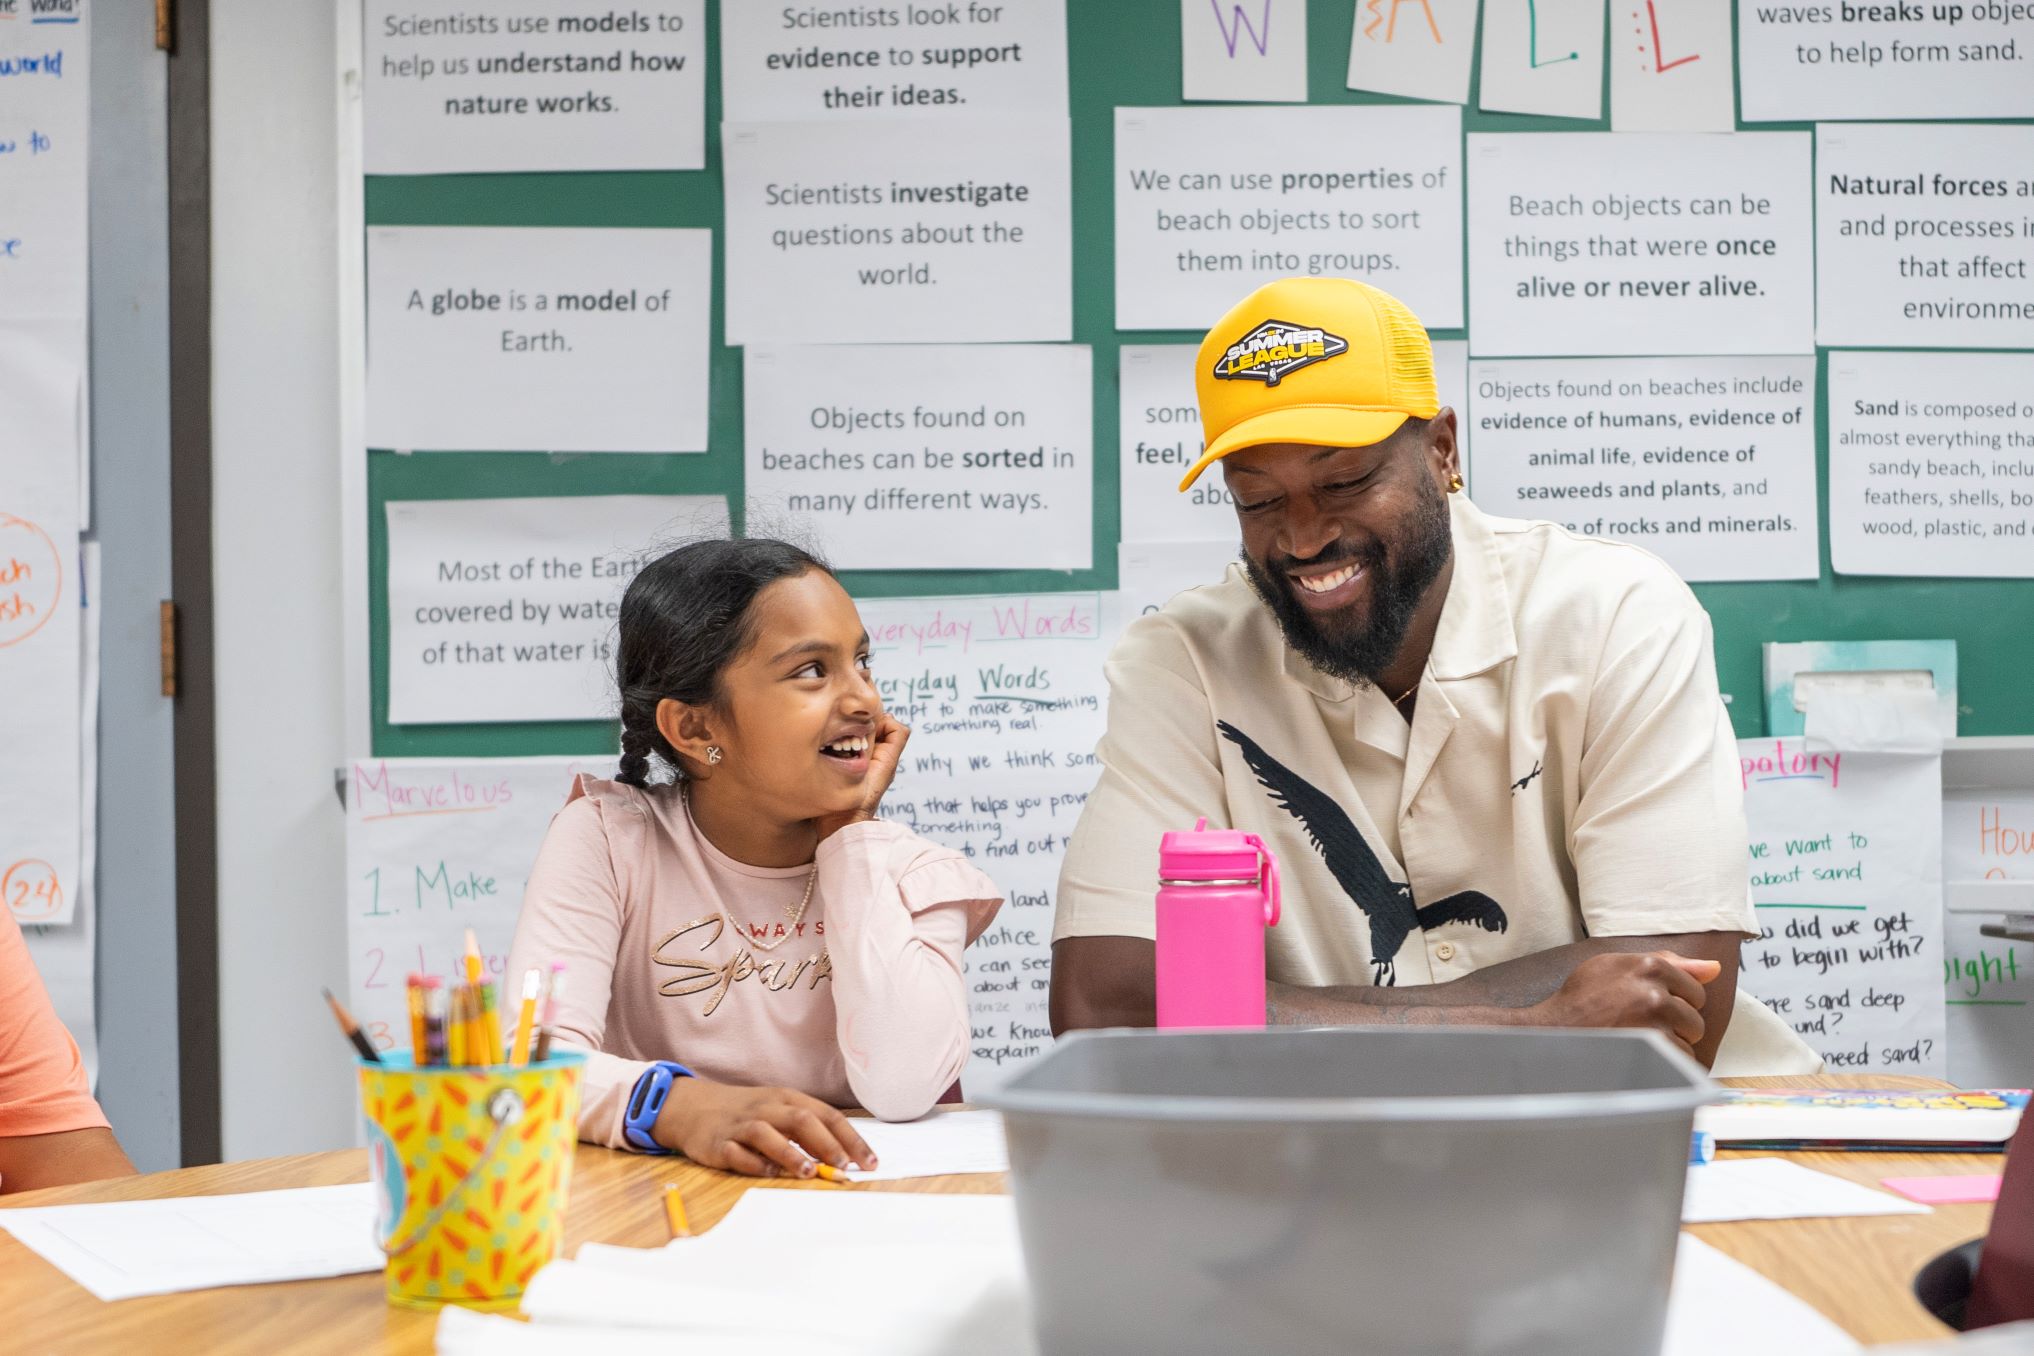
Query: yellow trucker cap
<point x="1327" y="361"/>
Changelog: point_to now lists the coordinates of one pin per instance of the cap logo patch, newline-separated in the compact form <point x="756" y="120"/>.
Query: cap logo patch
<point x="1276" y="349"/>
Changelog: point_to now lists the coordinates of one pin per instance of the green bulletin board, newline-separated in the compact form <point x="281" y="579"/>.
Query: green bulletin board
<point x="1120" y="53"/>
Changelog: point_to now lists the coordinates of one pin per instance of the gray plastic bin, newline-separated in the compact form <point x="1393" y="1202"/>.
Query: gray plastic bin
<point x="1355" y="1191"/>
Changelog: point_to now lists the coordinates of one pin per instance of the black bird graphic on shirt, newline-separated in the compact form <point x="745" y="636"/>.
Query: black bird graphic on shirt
<point x="1387" y="903"/>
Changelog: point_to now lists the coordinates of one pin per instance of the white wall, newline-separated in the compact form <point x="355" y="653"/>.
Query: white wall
<point x="287" y="1083"/>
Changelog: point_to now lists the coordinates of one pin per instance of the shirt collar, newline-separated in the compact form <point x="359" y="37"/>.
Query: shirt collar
<point x="1475" y="633"/>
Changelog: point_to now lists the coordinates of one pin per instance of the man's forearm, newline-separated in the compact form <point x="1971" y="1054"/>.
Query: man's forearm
<point x="1301" y="1005"/>
<point x="1516" y="983"/>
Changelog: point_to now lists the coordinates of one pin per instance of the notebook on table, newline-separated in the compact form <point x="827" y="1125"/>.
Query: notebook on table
<point x="1864" y="1118"/>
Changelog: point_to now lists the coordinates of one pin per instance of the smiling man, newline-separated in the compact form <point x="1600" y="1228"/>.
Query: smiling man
<point x="1490" y="755"/>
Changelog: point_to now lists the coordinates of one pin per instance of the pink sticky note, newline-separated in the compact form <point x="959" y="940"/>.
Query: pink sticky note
<point x="1977" y="1188"/>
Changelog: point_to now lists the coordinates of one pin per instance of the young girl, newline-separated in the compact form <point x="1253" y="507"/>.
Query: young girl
<point x="747" y="947"/>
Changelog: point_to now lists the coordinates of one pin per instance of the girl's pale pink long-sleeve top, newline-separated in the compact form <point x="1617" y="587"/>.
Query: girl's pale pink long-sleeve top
<point x="668" y="951"/>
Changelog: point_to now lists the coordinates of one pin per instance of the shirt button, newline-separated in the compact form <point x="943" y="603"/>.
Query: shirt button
<point x="1445" y="951"/>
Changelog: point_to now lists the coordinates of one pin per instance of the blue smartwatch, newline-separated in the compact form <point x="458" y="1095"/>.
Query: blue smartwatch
<point x="646" y="1101"/>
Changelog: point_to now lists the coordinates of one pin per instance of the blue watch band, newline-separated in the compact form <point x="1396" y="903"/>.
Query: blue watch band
<point x="646" y="1101"/>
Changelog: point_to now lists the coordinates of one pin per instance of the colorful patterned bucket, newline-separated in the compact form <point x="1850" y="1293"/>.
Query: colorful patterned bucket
<point x="472" y="1166"/>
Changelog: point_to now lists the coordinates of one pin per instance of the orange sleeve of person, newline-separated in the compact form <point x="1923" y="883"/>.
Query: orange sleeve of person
<point x="43" y="1087"/>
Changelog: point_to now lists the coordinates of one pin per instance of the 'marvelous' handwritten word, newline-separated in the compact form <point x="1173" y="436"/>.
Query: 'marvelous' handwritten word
<point x="377" y="791"/>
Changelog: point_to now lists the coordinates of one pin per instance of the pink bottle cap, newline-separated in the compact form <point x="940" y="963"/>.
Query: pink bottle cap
<point x="1205" y="854"/>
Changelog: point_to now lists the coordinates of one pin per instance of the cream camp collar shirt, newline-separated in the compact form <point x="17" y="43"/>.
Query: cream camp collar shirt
<point x="1569" y="772"/>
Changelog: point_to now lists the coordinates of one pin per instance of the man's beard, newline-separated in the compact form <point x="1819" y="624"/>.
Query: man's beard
<point x="1339" y="645"/>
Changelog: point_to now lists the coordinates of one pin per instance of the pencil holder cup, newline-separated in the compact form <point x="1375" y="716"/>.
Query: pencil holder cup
<point x="471" y="1168"/>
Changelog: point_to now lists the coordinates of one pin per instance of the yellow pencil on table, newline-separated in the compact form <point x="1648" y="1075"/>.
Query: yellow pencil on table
<point x="674" y="1208"/>
<point x="526" y="1017"/>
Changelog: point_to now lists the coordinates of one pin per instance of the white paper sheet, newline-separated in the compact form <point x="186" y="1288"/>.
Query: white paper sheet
<point x="1150" y="574"/>
<point x="1544" y="57"/>
<point x="1673" y="72"/>
<point x="1212" y="202"/>
<point x="533" y="85"/>
<point x="826" y="60"/>
<point x="505" y="609"/>
<point x="1416" y="48"/>
<point x="45" y="97"/>
<point x="893" y="232"/>
<point x="1159" y="437"/>
<point x="1846" y="878"/>
<point x="1639" y="243"/>
<point x="66" y="957"/>
<point x="1823" y="60"/>
<point x="1709" y="463"/>
<point x="924" y="457"/>
<point x="1776" y="1188"/>
<point x="40" y="620"/>
<point x="935" y="1145"/>
<point x="1243" y="51"/>
<point x="433" y="847"/>
<point x="1931" y="464"/>
<point x="1988" y="982"/>
<point x="1873" y="721"/>
<point x="1005" y="698"/>
<point x="930" y="1274"/>
<point x="122" y="1249"/>
<point x="537" y="338"/>
<point x="1719" y="1304"/>
<point x="1920" y="237"/>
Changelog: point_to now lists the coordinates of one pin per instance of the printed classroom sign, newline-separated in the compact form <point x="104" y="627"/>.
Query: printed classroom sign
<point x="940" y="458"/>
<point x="1709" y="463"/>
<point x="522" y="85"/>
<point x="1848" y="60"/>
<point x="1212" y="202"/>
<point x="1846" y="877"/>
<point x="826" y="60"/>
<point x="505" y="609"/>
<point x="474" y="335"/>
<point x="1006" y="700"/>
<point x="892" y="232"/>
<point x="1639" y="243"/>
<point x="1924" y="236"/>
<point x="434" y="847"/>
<point x="1931" y="464"/>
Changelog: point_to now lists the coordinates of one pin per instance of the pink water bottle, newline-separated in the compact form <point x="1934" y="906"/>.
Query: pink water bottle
<point x="1217" y="893"/>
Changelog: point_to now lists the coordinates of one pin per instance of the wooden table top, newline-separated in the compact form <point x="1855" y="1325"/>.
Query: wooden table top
<point x="1857" y="1271"/>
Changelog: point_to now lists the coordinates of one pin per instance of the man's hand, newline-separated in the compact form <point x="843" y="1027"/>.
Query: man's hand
<point x="1654" y="990"/>
<point x="764" y="1132"/>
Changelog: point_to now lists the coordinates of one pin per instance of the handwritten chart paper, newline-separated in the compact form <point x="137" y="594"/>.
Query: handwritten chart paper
<point x="433" y="847"/>
<point x="1988" y="982"/>
<point x="824" y="60"/>
<point x="893" y="232"/>
<point x="1837" y="60"/>
<point x="1005" y="699"/>
<point x="474" y="332"/>
<point x="1846" y="876"/>
<point x="1670" y="66"/>
<point x="1931" y="463"/>
<point x="1544" y="57"/>
<point x="1212" y="202"/>
<point x="45" y="87"/>
<point x="450" y="88"/>
<point x="1709" y="463"/>
<point x="505" y="609"/>
<point x="1419" y="49"/>
<point x="1639" y="243"/>
<point x="40" y="621"/>
<point x="1925" y="236"/>
<point x="1243" y="51"/>
<point x="941" y="458"/>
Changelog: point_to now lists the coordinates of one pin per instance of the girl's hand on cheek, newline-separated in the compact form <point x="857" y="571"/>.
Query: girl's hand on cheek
<point x="884" y="754"/>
